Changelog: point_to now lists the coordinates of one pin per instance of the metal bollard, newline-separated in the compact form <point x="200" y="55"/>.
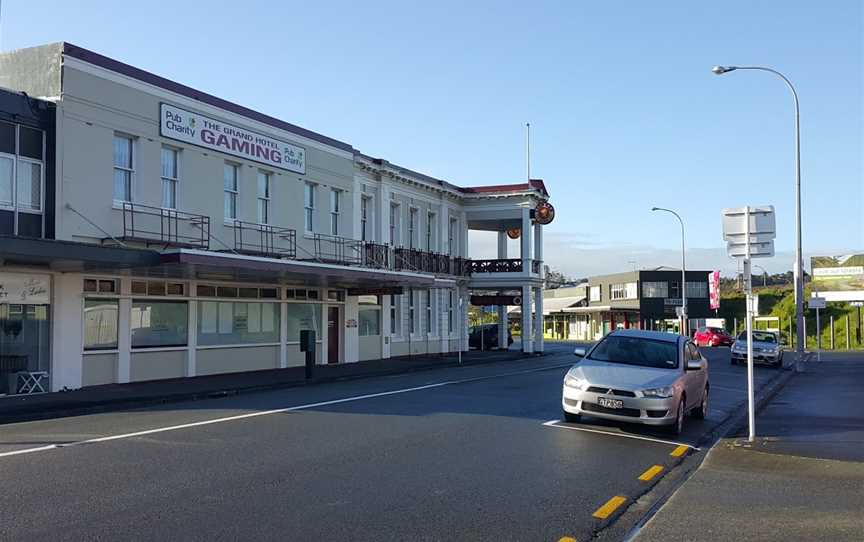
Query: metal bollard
<point x="848" y="346"/>
<point x="832" y="332"/>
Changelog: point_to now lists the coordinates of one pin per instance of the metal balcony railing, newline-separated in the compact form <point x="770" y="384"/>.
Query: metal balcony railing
<point x="170" y="227"/>
<point x="422" y="261"/>
<point x="377" y="256"/>
<point x="264" y="240"/>
<point x="338" y="250"/>
<point x="513" y="265"/>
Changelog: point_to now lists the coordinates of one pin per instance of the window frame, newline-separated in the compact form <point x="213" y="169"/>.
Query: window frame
<point x="395" y="330"/>
<point x="413" y="215"/>
<point x="133" y="156"/>
<point x="430" y="231"/>
<point x="364" y="218"/>
<point x="429" y="328"/>
<point x="229" y="194"/>
<point x="335" y="210"/>
<point x="450" y="320"/>
<point x="655" y="287"/>
<point x="452" y="243"/>
<point x="395" y="216"/>
<point x="173" y="181"/>
<point x="16" y="200"/>
<point x="265" y="199"/>
<point x="309" y="203"/>
<point x="411" y="313"/>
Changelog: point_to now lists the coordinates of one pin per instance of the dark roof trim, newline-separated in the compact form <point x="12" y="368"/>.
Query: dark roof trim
<point x="91" y="57"/>
<point x="27" y="250"/>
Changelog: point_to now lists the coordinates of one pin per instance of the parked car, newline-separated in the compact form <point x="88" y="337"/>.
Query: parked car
<point x="646" y="377"/>
<point x="489" y="336"/>
<point x="766" y="348"/>
<point x="712" y="336"/>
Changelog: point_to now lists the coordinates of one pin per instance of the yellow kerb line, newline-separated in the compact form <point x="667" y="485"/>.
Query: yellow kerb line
<point x="611" y="505"/>
<point x="651" y="473"/>
<point x="679" y="451"/>
<point x="566" y="539"/>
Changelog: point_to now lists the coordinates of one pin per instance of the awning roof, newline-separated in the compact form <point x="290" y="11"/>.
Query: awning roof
<point x="558" y="304"/>
<point x="207" y="265"/>
<point x="600" y="308"/>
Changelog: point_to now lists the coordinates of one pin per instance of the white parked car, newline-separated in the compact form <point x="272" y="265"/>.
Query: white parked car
<point x="766" y="348"/>
<point x="646" y="377"/>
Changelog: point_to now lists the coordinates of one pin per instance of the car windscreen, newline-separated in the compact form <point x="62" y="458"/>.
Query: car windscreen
<point x="637" y="351"/>
<point x="760" y="336"/>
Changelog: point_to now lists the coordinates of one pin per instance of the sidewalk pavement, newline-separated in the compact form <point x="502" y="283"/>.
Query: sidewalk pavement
<point x="803" y="477"/>
<point x="15" y="408"/>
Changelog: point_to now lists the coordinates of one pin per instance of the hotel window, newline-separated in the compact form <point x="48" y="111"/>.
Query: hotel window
<point x="303" y="316"/>
<point x="335" y="197"/>
<point x="655" y="289"/>
<point x="394" y="224"/>
<point x="412" y="228"/>
<point x="430" y="231"/>
<point x="429" y="326"/>
<point x="230" y="172"/>
<point x="595" y="293"/>
<point x="393" y="315"/>
<point x="451" y="236"/>
<point x="263" y="197"/>
<point x="124" y="167"/>
<point x="697" y="290"/>
<point x="364" y="218"/>
<point x="309" y="207"/>
<point x="170" y="177"/>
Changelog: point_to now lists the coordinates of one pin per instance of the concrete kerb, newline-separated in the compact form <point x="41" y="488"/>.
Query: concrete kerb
<point x="642" y="506"/>
<point x="98" y="406"/>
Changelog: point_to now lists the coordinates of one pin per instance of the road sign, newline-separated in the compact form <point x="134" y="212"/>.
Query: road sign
<point x="816" y="303"/>
<point x="752" y="226"/>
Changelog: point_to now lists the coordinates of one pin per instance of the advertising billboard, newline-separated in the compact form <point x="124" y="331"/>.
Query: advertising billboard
<point x="838" y="278"/>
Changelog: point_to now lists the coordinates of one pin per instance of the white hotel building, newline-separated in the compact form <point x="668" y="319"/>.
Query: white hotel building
<point x="163" y="232"/>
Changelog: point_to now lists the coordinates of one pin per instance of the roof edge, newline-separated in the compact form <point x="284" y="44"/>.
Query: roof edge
<point x="91" y="57"/>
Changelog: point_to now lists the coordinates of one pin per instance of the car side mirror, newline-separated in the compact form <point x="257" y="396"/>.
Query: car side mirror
<point x="694" y="364"/>
<point x="579" y="351"/>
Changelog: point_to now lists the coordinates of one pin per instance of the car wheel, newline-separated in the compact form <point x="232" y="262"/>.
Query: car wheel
<point x="572" y="418"/>
<point x="678" y="426"/>
<point x="702" y="412"/>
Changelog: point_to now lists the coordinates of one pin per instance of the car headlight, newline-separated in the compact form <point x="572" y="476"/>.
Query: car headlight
<point x="662" y="393"/>
<point x="573" y="382"/>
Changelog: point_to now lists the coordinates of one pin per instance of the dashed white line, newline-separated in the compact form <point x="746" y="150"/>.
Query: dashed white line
<point x="275" y="411"/>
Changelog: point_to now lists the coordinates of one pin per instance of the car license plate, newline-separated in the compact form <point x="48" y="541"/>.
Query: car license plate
<point x="610" y="403"/>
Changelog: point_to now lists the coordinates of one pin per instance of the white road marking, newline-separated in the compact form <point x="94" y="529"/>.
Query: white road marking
<point x="556" y="423"/>
<point x="737" y="390"/>
<point x="277" y="411"/>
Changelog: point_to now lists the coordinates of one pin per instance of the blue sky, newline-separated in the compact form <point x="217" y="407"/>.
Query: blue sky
<point x="625" y="112"/>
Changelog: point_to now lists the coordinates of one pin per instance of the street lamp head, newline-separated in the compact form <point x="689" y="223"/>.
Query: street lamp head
<point x="655" y="208"/>
<point x="720" y="70"/>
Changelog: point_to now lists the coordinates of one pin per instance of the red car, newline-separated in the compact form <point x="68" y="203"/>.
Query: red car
<point x="712" y="336"/>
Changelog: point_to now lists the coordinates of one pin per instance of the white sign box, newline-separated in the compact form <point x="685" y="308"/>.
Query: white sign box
<point x="18" y="288"/>
<point x="762" y="223"/>
<point x="182" y="125"/>
<point x="757" y="250"/>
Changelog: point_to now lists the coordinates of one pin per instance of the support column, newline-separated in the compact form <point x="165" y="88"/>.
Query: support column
<point x="283" y="335"/>
<point x="124" y="333"/>
<point x="538" y="247"/>
<point x="192" y="335"/>
<point x="525" y="253"/>
<point x="67" y="332"/>
<point x="502" y="310"/>
<point x="527" y="343"/>
<point x="538" y="320"/>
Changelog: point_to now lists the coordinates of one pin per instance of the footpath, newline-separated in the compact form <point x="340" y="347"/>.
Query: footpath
<point x="802" y="478"/>
<point x="15" y="408"/>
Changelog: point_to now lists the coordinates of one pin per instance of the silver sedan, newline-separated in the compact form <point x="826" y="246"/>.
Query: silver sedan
<point x="645" y="377"/>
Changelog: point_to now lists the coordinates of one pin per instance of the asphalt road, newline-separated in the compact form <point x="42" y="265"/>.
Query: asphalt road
<point x="465" y="453"/>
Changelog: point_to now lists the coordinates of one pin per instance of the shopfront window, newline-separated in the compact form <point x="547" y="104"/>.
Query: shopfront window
<point x="303" y="316"/>
<point x="159" y="323"/>
<point x="100" y="324"/>
<point x="230" y="323"/>
<point x="369" y="315"/>
<point x="24" y="335"/>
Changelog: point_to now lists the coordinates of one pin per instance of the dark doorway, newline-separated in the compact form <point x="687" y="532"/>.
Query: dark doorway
<point x="332" y="334"/>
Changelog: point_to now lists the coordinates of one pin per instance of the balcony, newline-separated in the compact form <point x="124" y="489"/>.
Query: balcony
<point x="168" y="227"/>
<point x="338" y="250"/>
<point x="512" y="265"/>
<point x="264" y="240"/>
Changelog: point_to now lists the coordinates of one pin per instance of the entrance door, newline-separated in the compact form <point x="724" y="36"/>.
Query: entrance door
<point x="24" y="334"/>
<point x="332" y="334"/>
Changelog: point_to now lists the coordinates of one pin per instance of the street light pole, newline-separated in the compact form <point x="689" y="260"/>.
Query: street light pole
<point x="764" y="275"/>
<point x="684" y="330"/>
<point x="798" y="268"/>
